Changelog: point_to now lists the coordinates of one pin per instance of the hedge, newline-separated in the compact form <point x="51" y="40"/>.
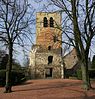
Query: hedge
<point x="78" y="74"/>
<point x="91" y="74"/>
<point x="17" y="77"/>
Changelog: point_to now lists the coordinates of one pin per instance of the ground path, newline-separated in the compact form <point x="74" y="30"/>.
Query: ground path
<point x="49" y="89"/>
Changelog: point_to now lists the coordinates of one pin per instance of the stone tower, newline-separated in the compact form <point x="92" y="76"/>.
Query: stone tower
<point x="48" y="29"/>
<point x="46" y="54"/>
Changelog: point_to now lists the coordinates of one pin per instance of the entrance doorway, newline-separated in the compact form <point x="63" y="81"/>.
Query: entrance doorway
<point x="48" y="72"/>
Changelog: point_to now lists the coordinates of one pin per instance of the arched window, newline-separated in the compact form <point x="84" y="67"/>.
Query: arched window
<point x="50" y="59"/>
<point x="49" y="48"/>
<point x="45" y="23"/>
<point x="51" y="22"/>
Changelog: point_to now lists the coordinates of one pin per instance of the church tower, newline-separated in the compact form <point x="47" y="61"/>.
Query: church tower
<point x="46" y="54"/>
<point x="48" y="34"/>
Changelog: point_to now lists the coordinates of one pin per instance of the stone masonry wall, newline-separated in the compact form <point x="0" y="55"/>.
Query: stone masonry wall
<point x="45" y="55"/>
<point x="44" y="35"/>
<point x="39" y="64"/>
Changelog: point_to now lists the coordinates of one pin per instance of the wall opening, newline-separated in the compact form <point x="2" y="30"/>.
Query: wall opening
<point x="45" y="22"/>
<point x="48" y="72"/>
<point x="51" y="22"/>
<point x="55" y="38"/>
<point x="49" y="48"/>
<point x="50" y="59"/>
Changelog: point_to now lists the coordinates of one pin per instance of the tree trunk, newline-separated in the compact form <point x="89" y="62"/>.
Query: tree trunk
<point x="85" y="77"/>
<point x="8" y="70"/>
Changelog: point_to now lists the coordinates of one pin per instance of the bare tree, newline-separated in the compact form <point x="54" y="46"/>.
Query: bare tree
<point x="79" y="28"/>
<point x="14" y="29"/>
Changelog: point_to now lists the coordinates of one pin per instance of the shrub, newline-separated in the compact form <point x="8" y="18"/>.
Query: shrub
<point x="17" y="77"/>
<point x="92" y="73"/>
<point x="79" y="74"/>
<point x="2" y="77"/>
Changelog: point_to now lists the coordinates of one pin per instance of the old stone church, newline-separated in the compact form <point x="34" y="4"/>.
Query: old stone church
<point x="46" y="54"/>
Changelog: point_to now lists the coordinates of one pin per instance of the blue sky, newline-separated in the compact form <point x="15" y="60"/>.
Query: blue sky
<point x="39" y="7"/>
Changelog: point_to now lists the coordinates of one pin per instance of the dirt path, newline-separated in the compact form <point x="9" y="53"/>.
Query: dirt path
<point x="49" y="89"/>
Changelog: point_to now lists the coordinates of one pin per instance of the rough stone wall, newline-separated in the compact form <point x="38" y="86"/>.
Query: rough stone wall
<point x="42" y="58"/>
<point x="44" y="35"/>
<point x="70" y="59"/>
<point x="39" y="54"/>
<point x="39" y="64"/>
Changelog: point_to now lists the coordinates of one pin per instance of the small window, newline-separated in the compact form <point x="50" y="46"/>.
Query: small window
<point x="74" y="57"/>
<point x="55" y="38"/>
<point x="49" y="48"/>
<point x="45" y="22"/>
<point x="51" y="22"/>
<point x="50" y="59"/>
